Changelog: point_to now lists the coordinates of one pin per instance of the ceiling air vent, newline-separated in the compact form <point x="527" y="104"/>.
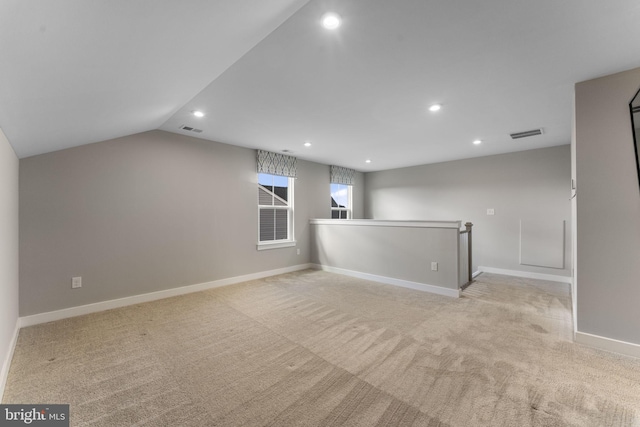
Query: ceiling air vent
<point x="526" y="134"/>
<point x="190" y="129"/>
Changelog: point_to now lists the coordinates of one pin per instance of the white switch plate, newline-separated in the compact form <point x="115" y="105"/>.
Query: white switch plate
<point x="491" y="211"/>
<point x="434" y="266"/>
<point x="76" y="282"/>
<point x="298" y="251"/>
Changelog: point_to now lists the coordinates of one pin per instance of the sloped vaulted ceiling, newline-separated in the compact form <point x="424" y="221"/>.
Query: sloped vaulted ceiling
<point x="268" y="76"/>
<point x="80" y="71"/>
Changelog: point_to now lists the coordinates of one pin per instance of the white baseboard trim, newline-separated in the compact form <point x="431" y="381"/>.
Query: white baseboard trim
<point x="476" y="274"/>
<point x="6" y="363"/>
<point x="608" y="344"/>
<point x="391" y="281"/>
<point x="152" y="296"/>
<point x="526" y="274"/>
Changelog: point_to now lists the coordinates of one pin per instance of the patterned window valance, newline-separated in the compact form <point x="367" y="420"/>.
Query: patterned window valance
<point x="276" y="164"/>
<point x="340" y="175"/>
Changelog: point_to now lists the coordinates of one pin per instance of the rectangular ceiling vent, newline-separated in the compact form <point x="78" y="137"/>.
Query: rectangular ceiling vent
<point x="526" y="134"/>
<point x="190" y="129"/>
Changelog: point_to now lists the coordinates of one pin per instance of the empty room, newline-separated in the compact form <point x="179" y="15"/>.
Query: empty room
<point x="319" y="213"/>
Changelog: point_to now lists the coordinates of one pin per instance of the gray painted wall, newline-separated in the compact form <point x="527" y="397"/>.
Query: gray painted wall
<point x="148" y="212"/>
<point x="357" y="194"/>
<point x="531" y="186"/>
<point x="608" y="209"/>
<point x="8" y="252"/>
<point x="403" y="253"/>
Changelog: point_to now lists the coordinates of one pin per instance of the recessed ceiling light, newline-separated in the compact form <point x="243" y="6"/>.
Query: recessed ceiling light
<point x="198" y="113"/>
<point x="368" y="161"/>
<point x="435" y="107"/>
<point x="477" y="141"/>
<point x="331" y="21"/>
<point x="307" y="144"/>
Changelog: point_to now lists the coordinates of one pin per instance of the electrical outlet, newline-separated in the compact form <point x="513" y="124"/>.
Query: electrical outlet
<point x="434" y="266"/>
<point x="491" y="211"/>
<point x="298" y="251"/>
<point x="76" y="282"/>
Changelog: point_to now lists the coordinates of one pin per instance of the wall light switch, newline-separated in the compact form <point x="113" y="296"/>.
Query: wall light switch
<point x="434" y="266"/>
<point x="76" y="282"/>
<point x="491" y="211"/>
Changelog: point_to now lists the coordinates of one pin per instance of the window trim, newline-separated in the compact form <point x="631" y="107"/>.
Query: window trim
<point x="275" y="244"/>
<point x="291" y="240"/>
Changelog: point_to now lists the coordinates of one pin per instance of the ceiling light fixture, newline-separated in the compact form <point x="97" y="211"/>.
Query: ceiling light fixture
<point x="477" y="141"/>
<point x="197" y="113"/>
<point x="331" y="21"/>
<point x="435" y="107"/>
<point x="368" y="161"/>
<point x="307" y="144"/>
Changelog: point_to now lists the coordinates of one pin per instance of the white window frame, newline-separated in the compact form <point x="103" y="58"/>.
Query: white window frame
<point x="349" y="208"/>
<point x="282" y="243"/>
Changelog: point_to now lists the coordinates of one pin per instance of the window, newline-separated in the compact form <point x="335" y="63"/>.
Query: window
<point x="275" y="206"/>
<point x="340" y="201"/>
<point x="341" y="180"/>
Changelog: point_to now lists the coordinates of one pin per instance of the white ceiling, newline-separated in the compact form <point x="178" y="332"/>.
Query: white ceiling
<point x="75" y="72"/>
<point x="268" y="76"/>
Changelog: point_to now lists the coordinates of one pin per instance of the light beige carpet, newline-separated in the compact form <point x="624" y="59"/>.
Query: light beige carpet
<point x="317" y="349"/>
